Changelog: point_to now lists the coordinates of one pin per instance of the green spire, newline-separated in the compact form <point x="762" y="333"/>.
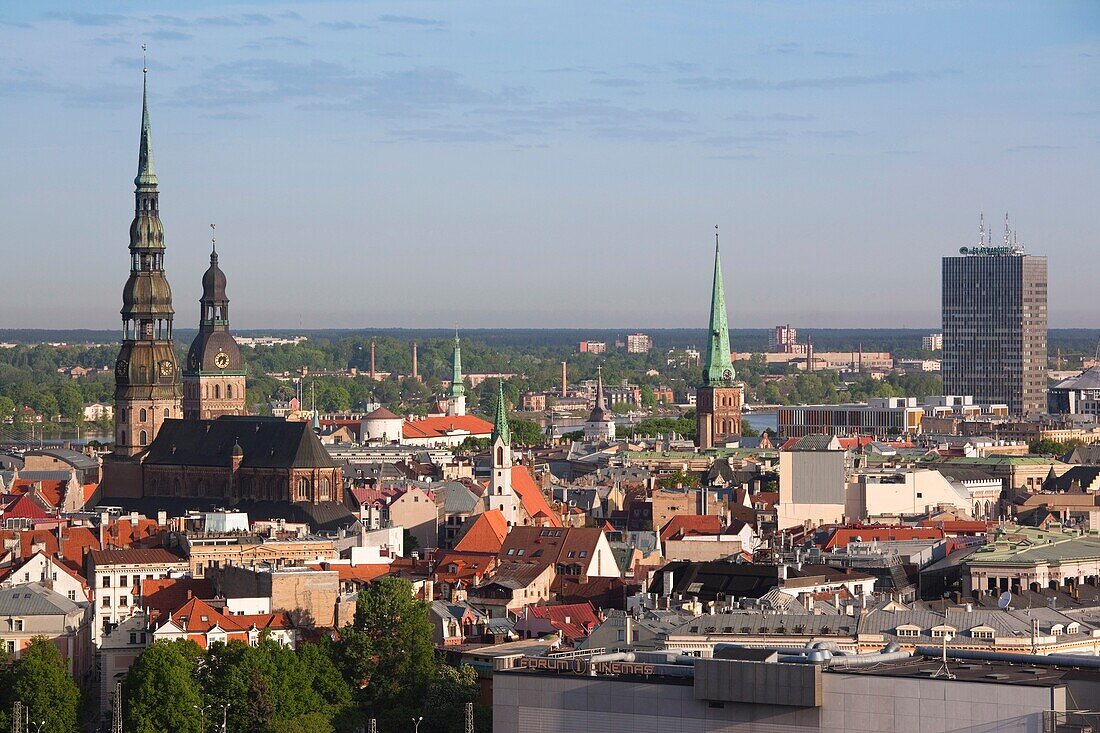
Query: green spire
<point x="147" y="175"/>
<point x="718" y="368"/>
<point x="457" y="388"/>
<point x="500" y="422"/>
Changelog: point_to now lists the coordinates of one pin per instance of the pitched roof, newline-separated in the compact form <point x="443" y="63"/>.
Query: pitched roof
<point x="573" y="620"/>
<point x="443" y="425"/>
<point x="150" y="556"/>
<point x="163" y="595"/>
<point x="33" y="599"/>
<point x="532" y="498"/>
<point x="198" y="616"/>
<point x="841" y="536"/>
<point x="683" y="525"/>
<point x="267" y="442"/>
<point x="381" y="413"/>
<point x="484" y="532"/>
<point x="551" y="545"/>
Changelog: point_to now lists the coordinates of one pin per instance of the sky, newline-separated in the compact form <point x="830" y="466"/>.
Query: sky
<point x="547" y="164"/>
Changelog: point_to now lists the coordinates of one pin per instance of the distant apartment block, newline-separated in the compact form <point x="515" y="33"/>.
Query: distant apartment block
<point x="638" y="343"/>
<point x="880" y="417"/>
<point x="592" y="347"/>
<point x="995" y="327"/>
<point x="533" y="401"/>
<point x="254" y="341"/>
<point x="932" y="342"/>
<point x="786" y="341"/>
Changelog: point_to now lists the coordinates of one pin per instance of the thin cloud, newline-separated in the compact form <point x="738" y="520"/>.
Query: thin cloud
<point x="275" y="42"/>
<point x="343" y="25"/>
<point x="619" y="82"/>
<point x="446" y="135"/>
<point x="411" y="20"/>
<point x="833" y="134"/>
<point x="1036" y="148"/>
<point x="769" y="117"/>
<point x="751" y="84"/>
<point x="170" y="35"/>
<point x="86" y="19"/>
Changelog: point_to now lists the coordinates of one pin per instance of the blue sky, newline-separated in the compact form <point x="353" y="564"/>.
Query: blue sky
<point x="548" y="164"/>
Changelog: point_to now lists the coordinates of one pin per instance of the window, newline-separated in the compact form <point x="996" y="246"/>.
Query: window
<point x="106" y="601"/>
<point x="122" y="581"/>
<point x="908" y="631"/>
<point x="123" y="601"/>
<point x="167" y="413"/>
<point x="982" y="633"/>
<point x="144" y="440"/>
<point x="106" y="582"/>
<point x="72" y="595"/>
<point x="11" y="648"/>
<point x="229" y="391"/>
<point x="15" y="624"/>
<point x="143" y="415"/>
<point x="940" y="632"/>
<point x="133" y="637"/>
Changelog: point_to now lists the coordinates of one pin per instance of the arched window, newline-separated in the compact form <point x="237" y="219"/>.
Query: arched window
<point x="500" y="455"/>
<point x="324" y="489"/>
<point x="122" y="437"/>
<point x="122" y="413"/>
<point x="303" y="489"/>
<point x="144" y="438"/>
<point x="143" y="415"/>
<point x="167" y="413"/>
<point x="229" y="391"/>
<point x="217" y="392"/>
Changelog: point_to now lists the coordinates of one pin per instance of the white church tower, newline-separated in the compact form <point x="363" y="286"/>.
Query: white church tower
<point x="500" y="494"/>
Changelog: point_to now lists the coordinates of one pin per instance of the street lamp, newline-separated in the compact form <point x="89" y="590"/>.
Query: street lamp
<point x="38" y="725"/>
<point x="416" y="724"/>
<point x="225" y="713"/>
<point x="202" y="716"/>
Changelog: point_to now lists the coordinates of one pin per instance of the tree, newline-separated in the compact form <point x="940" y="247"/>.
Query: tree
<point x="747" y="430"/>
<point x="40" y="680"/>
<point x="388" y="649"/>
<point x="7" y="408"/>
<point x="526" y="432"/>
<point x="681" y="479"/>
<point x="161" y="692"/>
<point x="450" y="689"/>
<point x="70" y="401"/>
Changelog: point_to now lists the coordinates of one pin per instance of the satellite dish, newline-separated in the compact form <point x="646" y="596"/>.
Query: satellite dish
<point x="1004" y="600"/>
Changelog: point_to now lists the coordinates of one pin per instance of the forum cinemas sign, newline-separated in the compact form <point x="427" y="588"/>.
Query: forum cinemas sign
<point x="583" y="666"/>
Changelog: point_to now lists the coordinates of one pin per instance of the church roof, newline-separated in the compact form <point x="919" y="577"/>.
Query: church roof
<point x="266" y="442"/>
<point x="718" y="367"/>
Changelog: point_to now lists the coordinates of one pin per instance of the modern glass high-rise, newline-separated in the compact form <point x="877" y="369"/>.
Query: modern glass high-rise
<point x="995" y="327"/>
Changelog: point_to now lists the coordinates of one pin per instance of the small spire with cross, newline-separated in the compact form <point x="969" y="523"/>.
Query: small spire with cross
<point x="144" y="60"/>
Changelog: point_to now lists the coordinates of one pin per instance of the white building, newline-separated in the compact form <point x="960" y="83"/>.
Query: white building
<point x="114" y="578"/>
<point x="932" y="342"/>
<point x="382" y="426"/>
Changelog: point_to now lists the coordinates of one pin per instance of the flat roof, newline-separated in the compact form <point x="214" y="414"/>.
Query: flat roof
<point x="970" y="670"/>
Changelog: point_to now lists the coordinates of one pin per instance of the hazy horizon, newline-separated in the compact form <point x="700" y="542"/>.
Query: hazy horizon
<point x="557" y="165"/>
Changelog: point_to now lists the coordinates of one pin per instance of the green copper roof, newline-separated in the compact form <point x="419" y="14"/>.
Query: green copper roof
<point x="500" y="422"/>
<point x="147" y="175"/>
<point x="718" y="367"/>
<point x="457" y="388"/>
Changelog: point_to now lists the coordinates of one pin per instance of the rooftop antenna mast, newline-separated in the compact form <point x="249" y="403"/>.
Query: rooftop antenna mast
<point x="944" y="671"/>
<point x="981" y="229"/>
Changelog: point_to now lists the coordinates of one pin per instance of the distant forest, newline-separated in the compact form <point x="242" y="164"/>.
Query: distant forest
<point x="900" y="341"/>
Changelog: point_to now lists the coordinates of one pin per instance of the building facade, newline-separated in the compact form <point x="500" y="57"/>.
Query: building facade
<point x="147" y="378"/>
<point x="995" y="327"/>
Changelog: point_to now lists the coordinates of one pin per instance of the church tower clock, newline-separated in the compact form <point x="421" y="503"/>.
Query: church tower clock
<point x="147" y="377"/>
<point x="213" y="380"/>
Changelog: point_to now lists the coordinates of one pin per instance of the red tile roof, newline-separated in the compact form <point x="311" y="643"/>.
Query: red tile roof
<point x="164" y="595"/>
<point x="684" y="525"/>
<point x="841" y="536"/>
<point x="485" y="533"/>
<point x="574" y="620"/>
<point x="438" y="427"/>
<point x="534" y="501"/>
<point x="958" y="526"/>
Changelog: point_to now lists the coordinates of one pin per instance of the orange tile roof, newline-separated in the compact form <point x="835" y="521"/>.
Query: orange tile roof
<point x="362" y="573"/>
<point x="534" y="501"/>
<point x="50" y="491"/>
<point x="436" y="427"/>
<point x="485" y="533"/>
<point x="470" y="567"/>
<point x="843" y="535"/>
<point x="163" y="595"/>
<point x="683" y="525"/>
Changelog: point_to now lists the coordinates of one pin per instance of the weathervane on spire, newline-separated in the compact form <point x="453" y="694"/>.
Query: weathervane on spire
<point x="213" y="247"/>
<point x="144" y="60"/>
<point x="716" y="236"/>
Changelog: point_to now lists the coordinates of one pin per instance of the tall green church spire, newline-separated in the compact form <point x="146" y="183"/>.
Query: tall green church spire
<point x="457" y="388"/>
<point x="146" y="175"/>
<point x="718" y="368"/>
<point x="500" y="422"/>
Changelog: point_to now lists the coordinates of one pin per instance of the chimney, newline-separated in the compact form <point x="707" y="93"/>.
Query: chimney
<point x="416" y="372"/>
<point x="372" y="377"/>
<point x="162" y="518"/>
<point x="668" y="583"/>
<point x="104" y="519"/>
<point x="628" y="634"/>
<point x="564" y="379"/>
